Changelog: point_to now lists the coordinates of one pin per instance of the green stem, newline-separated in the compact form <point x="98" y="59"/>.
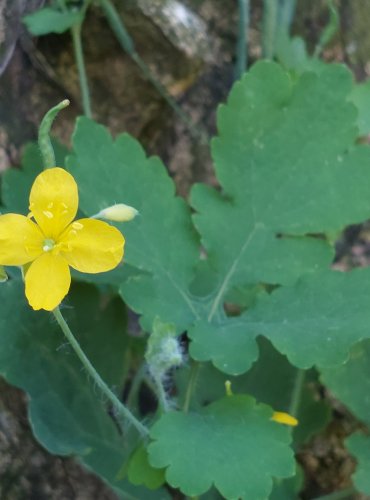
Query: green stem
<point x="194" y="373"/>
<point x="127" y="44"/>
<point x="297" y="393"/>
<point x="286" y="14"/>
<point x="77" y="47"/>
<point x="270" y="17"/>
<point x="161" y="394"/>
<point x="339" y="495"/>
<point x="46" y="148"/>
<point x="131" y="400"/>
<point x="242" y="43"/>
<point x="119" y="407"/>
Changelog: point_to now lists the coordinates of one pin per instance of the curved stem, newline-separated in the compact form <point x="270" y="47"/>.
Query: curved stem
<point x="46" y="148"/>
<point x="77" y="47"/>
<point x="119" y="407"/>
<point x="297" y="393"/>
<point x="126" y="42"/>
<point x="194" y="372"/>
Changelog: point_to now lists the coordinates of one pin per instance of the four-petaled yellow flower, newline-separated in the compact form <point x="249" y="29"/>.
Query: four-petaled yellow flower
<point x="54" y="242"/>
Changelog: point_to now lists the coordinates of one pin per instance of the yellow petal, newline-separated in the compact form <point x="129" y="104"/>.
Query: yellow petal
<point x="284" y="418"/>
<point x="54" y="201"/>
<point x="47" y="281"/>
<point x="20" y="240"/>
<point x="92" y="246"/>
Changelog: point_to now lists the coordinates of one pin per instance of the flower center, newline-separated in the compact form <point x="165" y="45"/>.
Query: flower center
<point x="48" y="244"/>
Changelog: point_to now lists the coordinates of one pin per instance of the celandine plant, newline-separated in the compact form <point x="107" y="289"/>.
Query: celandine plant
<point x="241" y="313"/>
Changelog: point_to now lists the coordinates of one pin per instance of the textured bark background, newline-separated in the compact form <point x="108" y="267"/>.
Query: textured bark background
<point x="41" y="72"/>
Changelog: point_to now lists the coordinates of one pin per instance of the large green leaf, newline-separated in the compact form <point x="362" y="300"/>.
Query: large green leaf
<point x="271" y="380"/>
<point x="232" y="444"/>
<point x="288" y="162"/>
<point x="314" y="322"/>
<point x="161" y="243"/>
<point x="67" y="415"/>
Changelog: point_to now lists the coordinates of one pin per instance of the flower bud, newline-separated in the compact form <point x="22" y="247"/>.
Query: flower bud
<point x="163" y="350"/>
<point x="284" y="418"/>
<point x="118" y="213"/>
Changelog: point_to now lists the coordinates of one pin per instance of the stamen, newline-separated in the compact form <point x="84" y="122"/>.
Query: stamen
<point x="48" y="245"/>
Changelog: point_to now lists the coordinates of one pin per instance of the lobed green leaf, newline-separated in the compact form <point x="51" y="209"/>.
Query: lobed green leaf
<point x="231" y="444"/>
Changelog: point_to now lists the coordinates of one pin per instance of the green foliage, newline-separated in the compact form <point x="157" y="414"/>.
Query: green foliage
<point x="251" y="264"/>
<point x="65" y="411"/>
<point x="233" y="423"/>
<point x="271" y="380"/>
<point x="51" y="20"/>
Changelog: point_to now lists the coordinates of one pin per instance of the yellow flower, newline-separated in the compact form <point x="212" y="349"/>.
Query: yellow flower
<point x="54" y="242"/>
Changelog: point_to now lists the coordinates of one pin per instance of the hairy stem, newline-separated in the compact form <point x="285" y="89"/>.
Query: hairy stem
<point x="161" y="394"/>
<point x="118" y="406"/>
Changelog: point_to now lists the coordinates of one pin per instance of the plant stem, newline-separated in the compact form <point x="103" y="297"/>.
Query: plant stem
<point x="117" y="404"/>
<point x="286" y="13"/>
<point x="77" y="47"/>
<point x="46" y="148"/>
<point x="297" y="392"/>
<point x="194" y="372"/>
<point x="161" y="394"/>
<point x="131" y="400"/>
<point x="242" y="43"/>
<point x="339" y="495"/>
<point x="127" y="44"/>
<point x="270" y="16"/>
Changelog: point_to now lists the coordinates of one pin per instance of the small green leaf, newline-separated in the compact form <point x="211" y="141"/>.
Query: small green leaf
<point x="359" y="446"/>
<point x="288" y="489"/>
<point x="51" y="20"/>
<point x="141" y="472"/>
<point x="232" y="444"/>
<point x="350" y="382"/>
<point x="360" y="96"/>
